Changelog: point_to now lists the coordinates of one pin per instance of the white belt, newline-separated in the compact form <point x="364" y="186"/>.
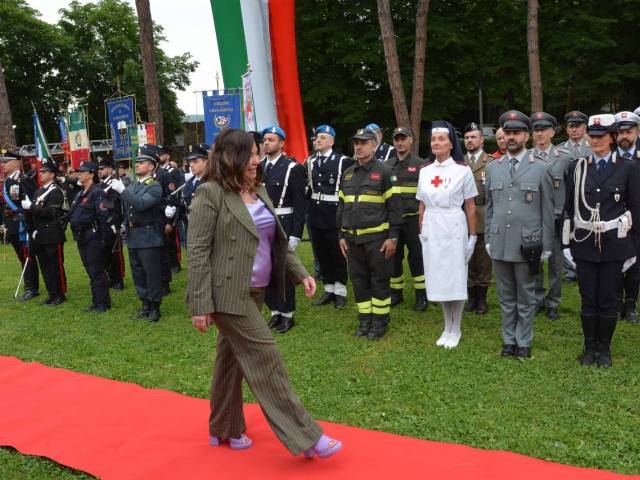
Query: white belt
<point x="324" y="198"/>
<point x="284" y="210"/>
<point x="599" y="227"/>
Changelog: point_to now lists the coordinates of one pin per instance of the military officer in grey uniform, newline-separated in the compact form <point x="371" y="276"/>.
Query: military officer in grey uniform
<point x="627" y="123"/>
<point x="144" y="221"/>
<point x="518" y="230"/>
<point x="479" y="277"/>
<point x="578" y="147"/>
<point x="383" y="151"/>
<point x="544" y="126"/>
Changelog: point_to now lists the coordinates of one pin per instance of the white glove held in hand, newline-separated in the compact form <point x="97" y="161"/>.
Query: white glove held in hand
<point x="545" y="256"/>
<point x="487" y="247"/>
<point x="26" y="203"/>
<point x="567" y="255"/>
<point x="471" y="245"/>
<point x="293" y="243"/>
<point x="628" y="264"/>
<point x="117" y="185"/>
<point x="113" y="229"/>
<point x="169" y="211"/>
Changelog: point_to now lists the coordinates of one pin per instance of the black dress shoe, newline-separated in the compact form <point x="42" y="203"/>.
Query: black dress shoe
<point x="90" y="308"/>
<point x="523" y="352"/>
<point x="286" y="324"/>
<point x="57" y="301"/>
<point x="28" y="295"/>
<point x="508" y="351"/>
<point x="539" y="308"/>
<point x="144" y="311"/>
<point x="154" y="312"/>
<point x="47" y="301"/>
<point x="118" y="286"/>
<point x="325" y="299"/>
<point x="631" y="314"/>
<point x="275" y="321"/>
<point x="101" y="309"/>
<point x="341" y="301"/>
<point x="552" y="313"/>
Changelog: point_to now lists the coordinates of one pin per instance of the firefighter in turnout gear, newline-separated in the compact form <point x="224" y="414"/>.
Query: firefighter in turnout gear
<point x="406" y="169"/>
<point x="369" y="216"/>
<point x="324" y="171"/>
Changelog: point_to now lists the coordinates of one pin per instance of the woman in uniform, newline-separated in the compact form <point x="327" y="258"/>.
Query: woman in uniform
<point x="89" y="221"/>
<point x="448" y="233"/>
<point x="603" y="205"/>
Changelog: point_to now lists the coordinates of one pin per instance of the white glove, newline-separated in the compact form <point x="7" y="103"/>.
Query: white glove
<point x="26" y="203"/>
<point x="628" y="263"/>
<point x="545" y="256"/>
<point x="35" y="232"/>
<point x="117" y="185"/>
<point x="123" y="230"/>
<point x="169" y="211"/>
<point x="471" y="245"/>
<point x="293" y="243"/>
<point x="113" y="229"/>
<point x="487" y="247"/>
<point x="567" y="254"/>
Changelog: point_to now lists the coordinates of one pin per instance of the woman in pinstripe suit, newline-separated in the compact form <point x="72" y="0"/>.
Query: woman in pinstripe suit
<point x="237" y="249"/>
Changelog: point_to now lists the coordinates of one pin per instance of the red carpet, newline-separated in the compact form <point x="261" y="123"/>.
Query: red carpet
<point x="117" y="430"/>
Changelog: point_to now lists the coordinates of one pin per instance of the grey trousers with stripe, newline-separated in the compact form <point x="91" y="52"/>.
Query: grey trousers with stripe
<point x="246" y="349"/>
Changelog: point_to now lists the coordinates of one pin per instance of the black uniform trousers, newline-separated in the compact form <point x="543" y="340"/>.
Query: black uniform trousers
<point x="370" y="274"/>
<point x="274" y="301"/>
<point x="408" y="236"/>
<point x="172" y="245"/>
<point x="165" y="267"/>
<point x="51" y="260"/>
<point x="325" y="243"/>
<point x="92" y="256"/>
<point x="115" y="261"/>
<point x="631" y="286"/>
<point x="146" y="271"/>
<point x="600" y="284"/>
<point x="31" y="274"/>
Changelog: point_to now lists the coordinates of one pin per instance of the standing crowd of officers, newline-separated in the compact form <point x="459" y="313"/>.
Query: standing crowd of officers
<point x="360" y="214"/>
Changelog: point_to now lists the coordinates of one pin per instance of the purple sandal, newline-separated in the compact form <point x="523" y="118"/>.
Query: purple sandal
<point x="324" y="448"/>
<point x="241" y="443"/>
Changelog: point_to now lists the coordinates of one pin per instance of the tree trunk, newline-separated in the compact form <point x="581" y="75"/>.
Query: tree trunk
<point x="147" y="50"/>
<point x="7" y="135"/>
<point x="417" y="96"/>
<point x="393" y="64"/>
<point x="535" y="78"/>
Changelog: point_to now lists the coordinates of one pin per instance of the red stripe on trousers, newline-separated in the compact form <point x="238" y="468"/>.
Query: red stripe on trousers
<point x="63" y="279"/>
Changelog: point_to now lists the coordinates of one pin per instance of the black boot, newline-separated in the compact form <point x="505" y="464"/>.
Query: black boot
<point x="325" y="299"/>
<point x="421" y="300"/>
<point x="396" y="297"/>
<point x="340" y="301"/>
<point x="630" y="311"/>
<point x="154" y="311"/>
<point x="589" y="330"/>
<point x="472" y="301"/>
<point x="365" y="324"/>
<point x="286" y="324"/>
<point x="144" y="311"/>
<point x="606" y="327"/>
<point x="275" y="321"/>
<point x="378" y="327"/>
<point x="481" y="294"/>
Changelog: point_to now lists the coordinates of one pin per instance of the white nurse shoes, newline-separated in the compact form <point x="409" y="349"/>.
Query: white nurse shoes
<point x="452" y="340"/>
<point x="443" y="339"/>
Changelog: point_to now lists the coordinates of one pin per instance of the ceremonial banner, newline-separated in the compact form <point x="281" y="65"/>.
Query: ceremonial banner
<point x="220" y="111"/>
<point x="146" y="134"/>
<point x="247" y="99"/>
<point x="78" y="137"/>
<point x="43" y="154"/>
<point x="120" y="112"/>
<point x="64" y="137"/>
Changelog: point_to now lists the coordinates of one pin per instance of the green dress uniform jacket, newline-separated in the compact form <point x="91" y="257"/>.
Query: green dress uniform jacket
<point x="222" y="247"/>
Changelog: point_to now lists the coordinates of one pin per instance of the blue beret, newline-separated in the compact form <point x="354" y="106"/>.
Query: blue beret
<point x="326" y="129"/>
<point x="274" y="129"/>
<point x="373" y="126"/>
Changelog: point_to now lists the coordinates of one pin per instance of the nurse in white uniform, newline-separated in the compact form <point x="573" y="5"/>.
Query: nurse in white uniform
<point x="448" y="232"/>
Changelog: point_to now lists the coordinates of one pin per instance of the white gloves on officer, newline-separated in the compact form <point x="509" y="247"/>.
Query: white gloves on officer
<point x="471" y="245"/>
<point x="567" y="255"/>
<point x="113" y="229"/>
<point x="545" y="256"/>
<point x="487" y="247"/>
<point x="628" y="263"/>
<point x="117" y="185"/>
<point x="35" y="233"/>
<point x="293" y="243"/>
<point x="169" y="211"/>
<point x="26" y="203"/>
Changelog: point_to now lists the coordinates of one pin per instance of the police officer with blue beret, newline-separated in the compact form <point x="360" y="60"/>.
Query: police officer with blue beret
<point x="627" y="124"/>
<point x="89" y="222"/>
<point x="284" y="179"/>
<point x="324" y="170"/>
<point x="144" y="220"/>
<point x="603" y="205"/>
<point x="383" y="151"/>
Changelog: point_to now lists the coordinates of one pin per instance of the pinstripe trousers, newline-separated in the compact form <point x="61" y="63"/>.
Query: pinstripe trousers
<point x="246" y="349"/>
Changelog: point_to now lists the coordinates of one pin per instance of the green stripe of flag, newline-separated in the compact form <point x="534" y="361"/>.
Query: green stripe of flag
<point x="232" y="47"/>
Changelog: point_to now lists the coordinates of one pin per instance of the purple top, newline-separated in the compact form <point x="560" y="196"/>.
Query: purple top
<point x="265" y="223"/>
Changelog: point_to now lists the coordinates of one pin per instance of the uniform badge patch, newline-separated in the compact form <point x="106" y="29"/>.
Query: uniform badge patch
<point x="529" y="197"/>
<point x="374" y="176"/>
<point x="171" y="186"/>
<point x="348" y="176"/>
<point x="411" y="169"/>
<point x="556" y="183"/>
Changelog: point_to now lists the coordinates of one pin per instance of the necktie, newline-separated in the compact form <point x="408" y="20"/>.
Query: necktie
<point x="269" y="165"/>
<point x="321" y="160"/>
<point x="514" y="165"/>
<point x="626" y="154"/>
<point x="472" y="159"/>
<point x="601" y="164"/>
<point x="576" y="149"/>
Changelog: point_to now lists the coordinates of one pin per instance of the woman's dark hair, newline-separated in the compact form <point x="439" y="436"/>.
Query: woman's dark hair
<point x="228" y="159"/>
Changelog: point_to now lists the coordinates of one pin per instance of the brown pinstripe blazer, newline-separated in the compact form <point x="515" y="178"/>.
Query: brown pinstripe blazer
<point x="222" y="242"/>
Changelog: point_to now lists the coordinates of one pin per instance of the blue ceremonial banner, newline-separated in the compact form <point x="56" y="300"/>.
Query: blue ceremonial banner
<point x="220" y="111"/>
<point x="120" y="112"/>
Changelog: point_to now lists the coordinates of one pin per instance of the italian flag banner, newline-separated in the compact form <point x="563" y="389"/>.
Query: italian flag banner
<point x="43" y="155"/>
<point x="261" y="34"/>
<point x="146" y="133"/>
<point x="78" y="137"/>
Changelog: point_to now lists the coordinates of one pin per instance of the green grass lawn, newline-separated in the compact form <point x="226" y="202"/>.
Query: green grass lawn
<point x="548" y="407"/>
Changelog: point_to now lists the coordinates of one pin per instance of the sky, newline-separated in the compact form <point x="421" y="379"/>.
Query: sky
<point x="188" y="27"/>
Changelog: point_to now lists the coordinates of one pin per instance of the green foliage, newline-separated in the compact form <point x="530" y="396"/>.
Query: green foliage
<point x="548" y="407"/>
<point x="93" y="46"/>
